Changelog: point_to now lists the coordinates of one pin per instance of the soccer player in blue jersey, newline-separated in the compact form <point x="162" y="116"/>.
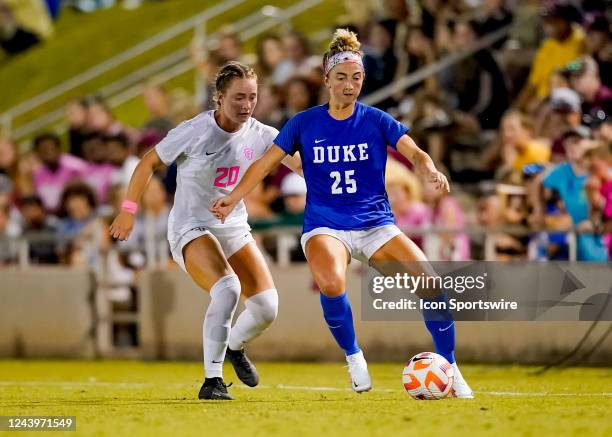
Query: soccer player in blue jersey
<point x="343" y="145"/>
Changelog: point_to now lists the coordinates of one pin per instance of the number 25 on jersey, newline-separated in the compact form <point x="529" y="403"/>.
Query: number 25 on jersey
<point x="350" y="185"/>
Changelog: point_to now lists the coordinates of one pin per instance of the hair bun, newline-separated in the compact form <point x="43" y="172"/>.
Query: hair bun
<point x="344" y="40"/>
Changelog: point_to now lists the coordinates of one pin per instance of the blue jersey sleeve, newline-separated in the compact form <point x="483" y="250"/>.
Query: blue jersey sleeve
<point x="288" y="138"/>
<point x="392" y="129"/>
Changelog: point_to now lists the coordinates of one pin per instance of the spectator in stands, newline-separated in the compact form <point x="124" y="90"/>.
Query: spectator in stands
<point x="447" y="214"/>
<point x="268" y="109"/>
<point x="431" y="123"/>
<point x="8" y="159"/>
<point x="79" y="223"/>
<point x="76" y="114"/>
<point x="430" y="13"/>
<point x="493" y="16"/>
<point x="300" y="62"/>
<point x="100" y="120"/>
<point x="398" y="13"/>
<point x="490" y="214"/>
<point x="585" y="79"/>
<point x="405" y="196"/>
<point x="156" y="101"/>
<point x="39" y="228"/>
<point x="271" y="66"/>
<point x="27" y="166"/>
<point x="599" y="191"/>
<point x="124" y="163"/>
<point x="228" y="48"/>
<point x="564" y="43"/>
<point x="479" y="84"/>
<point x="14" y="38"/>
<point x="603" y="130"/>
<point x="565" y="113"/>
<point x="293" y="191"/>
<point x="379" y="60"/>
<point x="299" y="96"/>
<point x="7" y="195"/>
<point x="420" y="51"/>
<point x="557" y="221"/>
<point x="599" y="46"/>
<point x="9" y="221"/>
<point x="258" y="204"/>
<point x="568" y="179"/>
<point x="8" y="251"/>
<point x="56" y="171"/>
<point x="99" y="174"/>
<point x="518" y="147"/>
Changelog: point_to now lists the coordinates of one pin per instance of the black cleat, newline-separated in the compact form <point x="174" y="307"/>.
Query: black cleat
<point x="214" y="389"/>
<point x="244" y="368"/>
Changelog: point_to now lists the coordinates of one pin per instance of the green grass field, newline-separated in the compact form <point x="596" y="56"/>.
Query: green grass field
<point x="160" y="398"/>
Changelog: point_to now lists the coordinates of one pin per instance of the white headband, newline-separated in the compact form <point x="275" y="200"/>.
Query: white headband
<point x="342" y="57"/>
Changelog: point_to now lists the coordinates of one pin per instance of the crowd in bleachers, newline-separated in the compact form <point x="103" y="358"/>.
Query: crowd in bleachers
<point x="522" y="128"/>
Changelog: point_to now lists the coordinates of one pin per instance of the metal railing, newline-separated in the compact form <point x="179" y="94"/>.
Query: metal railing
<point x="287" y="238"/>
<point x="192" y="23"/>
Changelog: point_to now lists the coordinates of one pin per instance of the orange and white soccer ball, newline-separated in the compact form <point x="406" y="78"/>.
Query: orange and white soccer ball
<point x="428" y="376"/>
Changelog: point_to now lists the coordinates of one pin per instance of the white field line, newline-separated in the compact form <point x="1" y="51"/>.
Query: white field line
<point x="134" y="385"/>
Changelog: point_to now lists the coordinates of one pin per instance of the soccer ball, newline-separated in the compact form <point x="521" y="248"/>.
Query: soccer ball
<point x="428" y="376"/>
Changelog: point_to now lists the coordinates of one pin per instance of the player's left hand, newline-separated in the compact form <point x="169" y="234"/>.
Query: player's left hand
<point x="222" y="207"/>
<point x="439" y="180"/>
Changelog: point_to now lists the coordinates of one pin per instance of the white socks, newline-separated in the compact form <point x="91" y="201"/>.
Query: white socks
<point x="224" y="295"/>
<point x="259" y="313"/>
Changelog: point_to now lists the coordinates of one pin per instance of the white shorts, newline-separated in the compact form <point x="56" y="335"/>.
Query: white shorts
<point x="360" y="245"/>
<point x="231" y="239"/>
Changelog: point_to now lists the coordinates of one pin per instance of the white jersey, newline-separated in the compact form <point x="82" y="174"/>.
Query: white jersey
<point x="210" y="163"/>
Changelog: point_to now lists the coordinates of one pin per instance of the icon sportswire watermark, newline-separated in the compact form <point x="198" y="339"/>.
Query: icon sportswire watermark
<point x="478" y="290"/>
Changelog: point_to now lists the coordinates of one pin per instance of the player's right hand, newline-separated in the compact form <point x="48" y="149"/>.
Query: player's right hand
<point x="222" y="207"/>
<point x="122" y="226"/>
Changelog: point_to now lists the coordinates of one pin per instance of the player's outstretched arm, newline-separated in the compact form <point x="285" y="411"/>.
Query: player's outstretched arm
<point x="256" y="173"/>
<point x="422" y="162"/>
<point x="124" y="222"/>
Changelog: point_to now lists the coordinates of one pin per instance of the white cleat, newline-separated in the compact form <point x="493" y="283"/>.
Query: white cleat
<point x="461" y="389"/>
<point x="358" y="369"/>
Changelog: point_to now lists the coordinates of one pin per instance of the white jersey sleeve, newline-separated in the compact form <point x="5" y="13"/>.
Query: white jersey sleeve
<point x="178" y="141"/>
<point x="268" y="135"/>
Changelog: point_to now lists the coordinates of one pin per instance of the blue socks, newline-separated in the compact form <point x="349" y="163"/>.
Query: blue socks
<point x="339" y="317"/>
<point x="441" y="326"/>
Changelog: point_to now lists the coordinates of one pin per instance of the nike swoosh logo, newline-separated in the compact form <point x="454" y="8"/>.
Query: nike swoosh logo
<point x="319" y="141"/>
<point x="217" y="362"/>
<point x="355" y="384"/>
<point x="333" y="327"/>
<point x="444" y="329"/>
<point x="211" y="153"/>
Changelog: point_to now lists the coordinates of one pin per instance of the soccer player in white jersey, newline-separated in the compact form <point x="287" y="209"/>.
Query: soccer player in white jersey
<point x="343" y="150"/>
<point x="213" y="151"/>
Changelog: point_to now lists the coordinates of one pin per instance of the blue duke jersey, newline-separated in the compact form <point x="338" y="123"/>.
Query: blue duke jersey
<point x="344" y="165"/>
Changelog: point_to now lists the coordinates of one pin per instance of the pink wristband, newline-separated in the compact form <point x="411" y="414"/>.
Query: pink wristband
<point x="129" y="206"/>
